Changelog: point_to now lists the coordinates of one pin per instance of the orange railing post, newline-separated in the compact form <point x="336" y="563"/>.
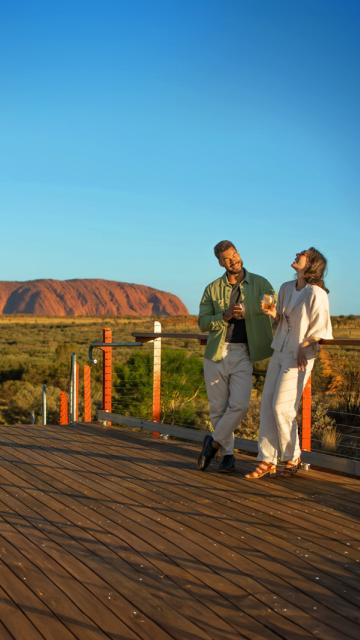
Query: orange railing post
<point x="156" y="407"/>
<point x="306" y="417"/>
<point x="107" y="372"/>
<point x="87" y="393"/>
<point x="64" y="408"/>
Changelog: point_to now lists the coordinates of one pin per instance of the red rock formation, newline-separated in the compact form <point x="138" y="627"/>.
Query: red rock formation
<point x="90" y="297"/>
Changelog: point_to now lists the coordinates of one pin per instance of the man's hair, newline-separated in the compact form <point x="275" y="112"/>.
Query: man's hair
<point x="223" y="245"/>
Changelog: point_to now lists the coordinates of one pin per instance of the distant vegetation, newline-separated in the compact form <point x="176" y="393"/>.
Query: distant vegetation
<point x="37" y="351"/>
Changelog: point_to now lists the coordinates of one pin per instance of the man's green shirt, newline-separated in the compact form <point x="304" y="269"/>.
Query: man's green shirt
<point x="216" y="299"/>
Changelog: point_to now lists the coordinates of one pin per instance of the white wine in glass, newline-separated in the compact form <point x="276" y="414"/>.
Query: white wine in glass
<point x="268" y="301"/>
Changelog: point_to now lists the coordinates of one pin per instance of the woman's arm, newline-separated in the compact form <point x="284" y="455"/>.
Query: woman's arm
<point x="272" y="313"/>
<point x="301" y="355"/>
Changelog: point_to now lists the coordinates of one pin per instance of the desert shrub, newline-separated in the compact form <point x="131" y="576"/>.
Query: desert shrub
<point x="20" y="402"/>
<point x="349" y="391"/>
<point x="324" y="429"/>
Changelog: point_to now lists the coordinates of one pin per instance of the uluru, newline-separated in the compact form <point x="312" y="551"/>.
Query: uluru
<point x="86" y="297"/>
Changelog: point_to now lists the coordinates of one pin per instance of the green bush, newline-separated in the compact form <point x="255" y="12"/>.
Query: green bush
<point x="183" y="396"/>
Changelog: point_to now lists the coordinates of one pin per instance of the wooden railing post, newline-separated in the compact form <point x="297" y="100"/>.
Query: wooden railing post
<point x="64" y="408"/>
<point x="306" y="417"/>
<point x="77" y="391"/>
<point x="87" y="393"/>
<point x="74" y="390"/>
<point x="44" y="405"/>
<point x="156" y="407"/>
<point x="107" y="372"/>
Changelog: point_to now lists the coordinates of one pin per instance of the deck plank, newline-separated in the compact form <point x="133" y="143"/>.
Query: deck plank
<point x="85" y="524"/>
<point x="128" y="540"/>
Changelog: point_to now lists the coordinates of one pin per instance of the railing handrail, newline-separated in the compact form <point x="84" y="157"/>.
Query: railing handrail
<point x="146" y="337"/>
<point x="342" y="342"/>
<point x="202" y="337"/>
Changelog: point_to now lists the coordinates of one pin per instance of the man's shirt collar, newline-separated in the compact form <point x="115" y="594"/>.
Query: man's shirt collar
<point x="245" y="279"/>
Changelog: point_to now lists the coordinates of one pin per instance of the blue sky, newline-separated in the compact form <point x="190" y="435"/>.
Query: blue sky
<point x="135" y="134"/>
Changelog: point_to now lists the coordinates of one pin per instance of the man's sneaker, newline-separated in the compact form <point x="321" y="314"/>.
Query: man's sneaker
<point x="207" y="453"/>
<point x="227" y="465"/>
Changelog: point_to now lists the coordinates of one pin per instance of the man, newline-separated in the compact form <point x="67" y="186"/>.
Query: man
<point x="239" y="334"/>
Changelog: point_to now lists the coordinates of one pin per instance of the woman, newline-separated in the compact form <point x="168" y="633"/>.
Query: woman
<point x="303" y="318"/>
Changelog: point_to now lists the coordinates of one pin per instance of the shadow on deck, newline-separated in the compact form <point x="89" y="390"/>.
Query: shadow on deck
<point x="109" y="534"/>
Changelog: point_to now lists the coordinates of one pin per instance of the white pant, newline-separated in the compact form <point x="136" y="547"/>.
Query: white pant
<point x="284" y="384"/>
<point x="228" y="385"/>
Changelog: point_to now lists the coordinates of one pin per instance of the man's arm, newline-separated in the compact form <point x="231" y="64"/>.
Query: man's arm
<point x="208" y="320"/>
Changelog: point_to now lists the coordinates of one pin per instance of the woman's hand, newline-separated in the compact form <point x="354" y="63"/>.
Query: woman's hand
<point x="301" y="358"/>
<point x="269" y="311"/>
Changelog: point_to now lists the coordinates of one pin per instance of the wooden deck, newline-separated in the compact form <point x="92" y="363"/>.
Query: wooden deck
<point x="110" y="534"/>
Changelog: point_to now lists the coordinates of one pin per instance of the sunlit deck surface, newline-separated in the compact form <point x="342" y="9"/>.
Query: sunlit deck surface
<point x="112" y="534"/>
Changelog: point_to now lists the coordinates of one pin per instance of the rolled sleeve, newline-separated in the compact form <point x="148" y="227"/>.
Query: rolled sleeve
<point x="320" y="320"/>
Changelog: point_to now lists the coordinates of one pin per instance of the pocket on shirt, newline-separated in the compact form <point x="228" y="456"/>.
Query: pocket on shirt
<point x="219" y="305"/>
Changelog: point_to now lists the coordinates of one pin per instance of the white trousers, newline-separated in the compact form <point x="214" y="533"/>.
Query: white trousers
<point x="228" y="385"/>
<point x="284" y="384"/>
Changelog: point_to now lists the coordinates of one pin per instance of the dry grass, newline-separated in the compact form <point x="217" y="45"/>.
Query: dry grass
<point x="346" y="327"/>
<point x="330" y="439"/>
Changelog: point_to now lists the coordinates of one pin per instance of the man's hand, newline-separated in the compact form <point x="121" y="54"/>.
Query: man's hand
<point x="236" y="311"/>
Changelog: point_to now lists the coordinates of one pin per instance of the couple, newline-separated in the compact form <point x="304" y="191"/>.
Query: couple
<point x="239" y="321"/>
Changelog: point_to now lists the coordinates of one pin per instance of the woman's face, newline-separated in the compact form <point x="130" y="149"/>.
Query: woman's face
<point x="300" y="262"/>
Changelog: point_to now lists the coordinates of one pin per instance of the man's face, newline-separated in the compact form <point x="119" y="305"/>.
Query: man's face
<point x="231" y="260"/>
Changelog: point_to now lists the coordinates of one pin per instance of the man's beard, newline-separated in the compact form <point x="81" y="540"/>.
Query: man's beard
<point x="235" y="271"/>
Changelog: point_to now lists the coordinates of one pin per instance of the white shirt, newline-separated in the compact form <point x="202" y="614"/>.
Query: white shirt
<point x="303" y="314"/>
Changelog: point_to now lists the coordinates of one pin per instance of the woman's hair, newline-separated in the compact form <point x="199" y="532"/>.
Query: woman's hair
<point x="315" y="268"/>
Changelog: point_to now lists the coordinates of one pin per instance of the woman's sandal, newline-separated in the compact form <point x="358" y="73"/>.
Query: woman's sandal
<point x="263" y="469"/>
<point x="291" y="467"/>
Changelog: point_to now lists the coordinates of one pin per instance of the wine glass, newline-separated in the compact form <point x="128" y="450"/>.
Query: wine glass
<point x="268" y="301"/>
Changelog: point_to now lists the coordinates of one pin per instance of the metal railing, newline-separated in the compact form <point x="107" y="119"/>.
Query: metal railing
<point x="337" y="431"/>
<point x="122" y="387"/>
<point x="336" y="400"/>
